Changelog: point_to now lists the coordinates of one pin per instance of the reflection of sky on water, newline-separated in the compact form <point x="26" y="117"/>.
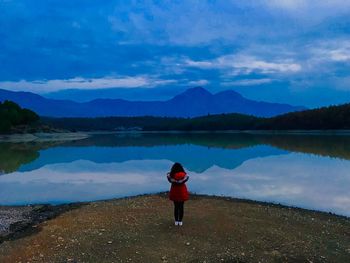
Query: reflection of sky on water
<point x="301" y="180"/>
<point x="195" y="158"/>
<point x="260" y="173"/>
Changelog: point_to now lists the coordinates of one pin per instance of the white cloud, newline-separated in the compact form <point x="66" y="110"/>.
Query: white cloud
<point x="247" y="82"/>
<point x="43" y="86"/>
<point x="201" y="64"/>
<point x="318" y="8"/>
<point x="340" y="55"/>
<point x="201" y="82"/>
<point x="326" y="55"/>
<point x="245" y="64"/>
<point x="287" y="4"/>
<point x="337" y="54"/>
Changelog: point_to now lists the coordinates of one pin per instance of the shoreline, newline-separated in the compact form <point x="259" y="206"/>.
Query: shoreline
<point x="271" y="132"/>
<point x="80" y="135"/>
<point x="216" y="229"/>
<point x="43" y="137"/>
<point x="18" y="220"/>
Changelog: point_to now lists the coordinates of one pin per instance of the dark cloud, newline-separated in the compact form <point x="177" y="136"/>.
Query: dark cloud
<point x="284" y="50"/>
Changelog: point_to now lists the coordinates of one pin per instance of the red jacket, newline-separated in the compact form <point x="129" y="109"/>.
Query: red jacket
<point x="178" y="190"/>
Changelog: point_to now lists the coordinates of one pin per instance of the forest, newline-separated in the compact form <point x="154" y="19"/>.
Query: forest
<point x="15" y="119"/>
<point x="325" y="118"/>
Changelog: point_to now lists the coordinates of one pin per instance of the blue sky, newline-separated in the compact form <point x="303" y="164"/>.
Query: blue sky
<point x="293" y="51"/>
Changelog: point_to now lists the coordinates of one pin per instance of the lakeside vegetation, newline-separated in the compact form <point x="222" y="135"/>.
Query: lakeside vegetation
<point x="14" y="119"/>
<point x="325" y="118"/>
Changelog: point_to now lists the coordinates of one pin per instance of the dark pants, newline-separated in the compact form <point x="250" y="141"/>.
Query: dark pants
<point x="178" y="210"/>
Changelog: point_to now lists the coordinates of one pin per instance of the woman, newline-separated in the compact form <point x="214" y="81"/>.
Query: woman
<point x="178" y="191"/>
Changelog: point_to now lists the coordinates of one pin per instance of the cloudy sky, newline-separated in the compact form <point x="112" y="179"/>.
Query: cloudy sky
<point x="294" y="51"/>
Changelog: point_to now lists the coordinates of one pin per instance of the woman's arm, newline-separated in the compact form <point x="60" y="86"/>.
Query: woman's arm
<point x="182" y="181"/>
<point x="169" y="178"/>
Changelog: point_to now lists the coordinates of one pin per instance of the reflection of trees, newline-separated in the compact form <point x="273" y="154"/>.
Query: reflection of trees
<point x="320" y="144"/>
<point x="217" y="140"/>
<point x="13" y="155"/>
<point x="323" y="145"/>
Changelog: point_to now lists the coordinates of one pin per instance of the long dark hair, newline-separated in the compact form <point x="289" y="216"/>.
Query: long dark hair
<point x="176" y="168"/>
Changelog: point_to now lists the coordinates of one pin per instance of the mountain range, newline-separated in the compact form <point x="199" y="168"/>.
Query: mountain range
<point x="190" y="103"/>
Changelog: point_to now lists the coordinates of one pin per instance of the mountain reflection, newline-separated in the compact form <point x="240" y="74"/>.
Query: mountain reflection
<point x="104" y="148"/>
<point x="291" y="169"/>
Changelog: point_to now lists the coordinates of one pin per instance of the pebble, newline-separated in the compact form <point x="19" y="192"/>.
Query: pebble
<point x="109" y="242"/>
<point x="275" y="253"/>
<point x="188" y="243"/>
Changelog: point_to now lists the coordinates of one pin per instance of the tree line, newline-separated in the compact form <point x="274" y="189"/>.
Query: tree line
<point x="325" y="118"/>
<point x="14" y="118"/>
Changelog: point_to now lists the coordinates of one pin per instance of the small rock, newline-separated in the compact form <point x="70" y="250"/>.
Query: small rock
<point x="188" y="243"/>
<point x="163" y="257"/>
<point x="275" y="253"/>
<point x="243" y="254"/>
<point x="109" y="242"/>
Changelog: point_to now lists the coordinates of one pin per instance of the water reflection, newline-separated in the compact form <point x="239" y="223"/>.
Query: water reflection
<point x="264" y="167"/>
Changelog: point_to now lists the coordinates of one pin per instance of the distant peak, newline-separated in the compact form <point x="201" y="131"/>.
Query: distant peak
<point x="197" y="90"/>
<point x="228" y="93"/>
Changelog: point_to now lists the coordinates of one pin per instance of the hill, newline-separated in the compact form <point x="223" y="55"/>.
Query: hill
<point x="13" y="117"/>
<point x="332" y="117"/>
<point x="193" y="102"/>
<point x="326" y="118"/>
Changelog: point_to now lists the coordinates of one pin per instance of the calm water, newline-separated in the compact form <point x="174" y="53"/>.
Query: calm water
<point x="309" y="171"/>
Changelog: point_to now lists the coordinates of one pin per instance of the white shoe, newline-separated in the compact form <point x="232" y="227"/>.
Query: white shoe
<point x="180" y="223"/>
<point x="176" y="223"/>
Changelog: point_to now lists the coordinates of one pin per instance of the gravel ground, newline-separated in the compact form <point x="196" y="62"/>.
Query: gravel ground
<point x="10" y="216"/>
<point x="140" y="229"/>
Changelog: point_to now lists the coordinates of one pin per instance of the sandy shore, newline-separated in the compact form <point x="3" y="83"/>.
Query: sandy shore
<point x="140" y="229"/>
<point x="43" y="137"/>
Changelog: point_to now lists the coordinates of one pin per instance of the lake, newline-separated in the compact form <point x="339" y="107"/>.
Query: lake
<point x="308" y="171"/>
